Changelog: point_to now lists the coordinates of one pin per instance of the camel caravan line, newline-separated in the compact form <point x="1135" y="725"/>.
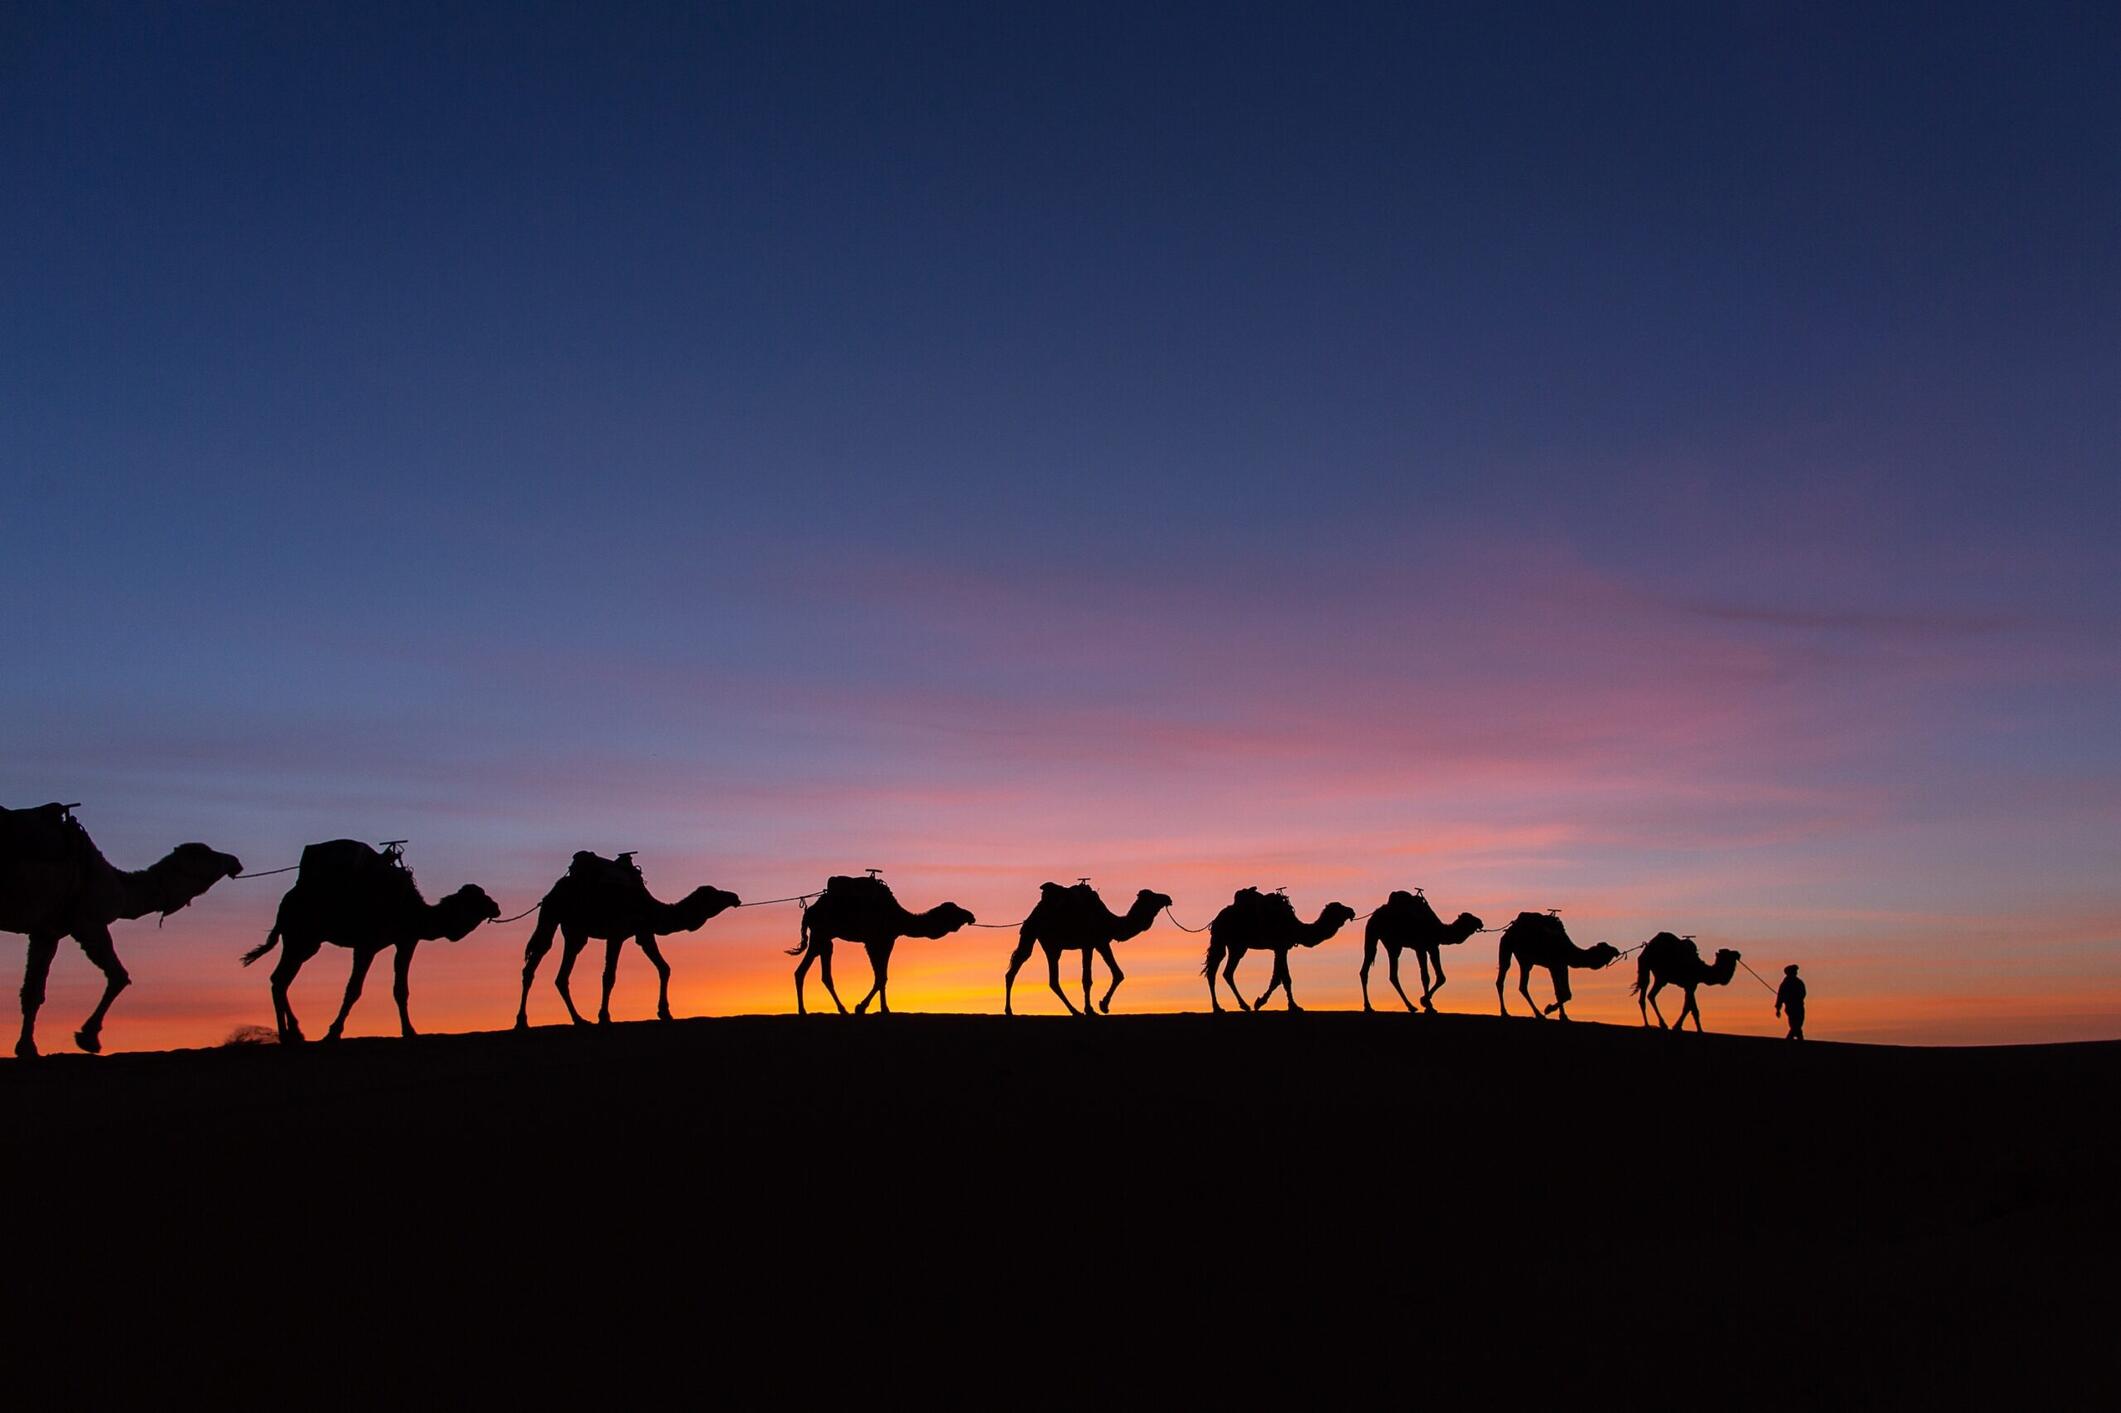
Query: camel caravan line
<point x="55" y="883"/>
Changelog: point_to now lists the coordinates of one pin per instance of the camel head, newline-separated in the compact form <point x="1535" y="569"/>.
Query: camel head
<point x="1152" y="902"/>
<point x="1600" y="954"/>
<point x="1465" y="925"/>
<point x="1331" y="919"/>
<point x="462" y="911"/>
<point x="1725" y="967"/>
<point x="695" y="908"/>
<point x="189" y="870"/>
<point x="941" y="920"/>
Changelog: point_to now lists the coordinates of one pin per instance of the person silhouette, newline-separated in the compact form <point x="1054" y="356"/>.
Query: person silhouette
<point x="1790" y="999"/>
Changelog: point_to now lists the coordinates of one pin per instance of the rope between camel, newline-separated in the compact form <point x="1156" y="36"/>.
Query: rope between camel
<point x="246" y="877"/>
<point x="1756" y="975"/>
<point x="1181" y="926"/>
<point x="803" y="898"/>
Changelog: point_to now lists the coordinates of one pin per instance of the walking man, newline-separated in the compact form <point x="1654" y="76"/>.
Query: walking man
<point x="1790" y="1000"/>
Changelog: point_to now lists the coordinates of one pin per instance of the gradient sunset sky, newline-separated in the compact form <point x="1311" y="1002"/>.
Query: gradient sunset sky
<point x="1653" y="463"/>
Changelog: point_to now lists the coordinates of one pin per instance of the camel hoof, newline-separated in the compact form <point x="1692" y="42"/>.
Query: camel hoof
<point x="89" y="1041"/>
<point x="1105" y="1007"/>
<point x="331" y="1035"/>
<point x="662" y="1015"/>
<point x="25" y="1049"/>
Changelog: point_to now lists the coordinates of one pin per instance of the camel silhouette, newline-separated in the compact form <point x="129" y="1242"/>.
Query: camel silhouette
<point x="55" y="883"/>
<point x="863" y="910"/>
<point x="349" y="895"/>
<point x="1075" y="919"/>
<point x="1407" y="920"/>
<point x="1539" y="940"/>
<point x="608" y="899"/>
<point x="1666" y="960"/>
<point x="1255" y="921"/>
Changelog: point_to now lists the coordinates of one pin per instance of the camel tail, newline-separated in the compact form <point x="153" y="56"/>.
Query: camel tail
<point x="803" y="946"/>
<point x="1642" y="975"/>
<point x="272" y="940"/>
<point x="1215" y="954"/>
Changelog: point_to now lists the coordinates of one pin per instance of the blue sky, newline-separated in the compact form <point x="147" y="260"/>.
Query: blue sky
<point x="1677" y="449"/>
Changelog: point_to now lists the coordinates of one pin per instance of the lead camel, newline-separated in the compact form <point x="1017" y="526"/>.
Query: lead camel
<point x="1668" y="960"/>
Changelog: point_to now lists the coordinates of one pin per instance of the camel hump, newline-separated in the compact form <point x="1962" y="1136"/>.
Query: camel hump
<point x="348" y="865"/>
<point x="46" y="833"/>
<point x="339" y="858"/>
<point x="863" y="891"/>
<point x="1527" y="926"/>
<point x="1418" y="905"/>
<point x="589" y="867"/>
<point x="1670" y="947"/>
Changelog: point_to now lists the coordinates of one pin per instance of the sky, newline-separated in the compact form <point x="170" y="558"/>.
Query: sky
<point x="1660" y="463"/>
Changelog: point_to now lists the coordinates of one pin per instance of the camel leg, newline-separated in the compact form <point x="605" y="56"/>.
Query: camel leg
<point x="354" y="980"/>
<point x="292" y="955"/>
<point x="401" y="987"/>
<point x="880" y="966"/>
<point x="1273" y="980"/>
<point x="95" y="941"/>
<point x="1559" y="1010"/>
<point x="1392" y="970"/>
<point x="1017" y="959"/>
<point x="1208" y="970"/>
<point x="1104" y="949"/>
<point x="1502" y="974"/>
<point x="1693" y="1004"/>
<point x="611" y="975"/>
<point x="662" y="974"/>
<point x="802" y="968"/>
<point x="824" y="971"/>
<point x="1524" y="989"/>
<point x="1230" y="979"/>
<point x="1651" y="997"/>
<point x="42" y="948"/>
<point x="1053" y="977"/>
<point x="571" y="945"/>
<point x="1280" y="978"/>
<point x="1089" y="956"/>
<point x="534" y="952"/>
<point x="1369" y="956"/>
<point x="1428" y="992"/>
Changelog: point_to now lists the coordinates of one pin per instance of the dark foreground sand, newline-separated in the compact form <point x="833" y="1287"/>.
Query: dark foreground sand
<point x="962" y="1209"/>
